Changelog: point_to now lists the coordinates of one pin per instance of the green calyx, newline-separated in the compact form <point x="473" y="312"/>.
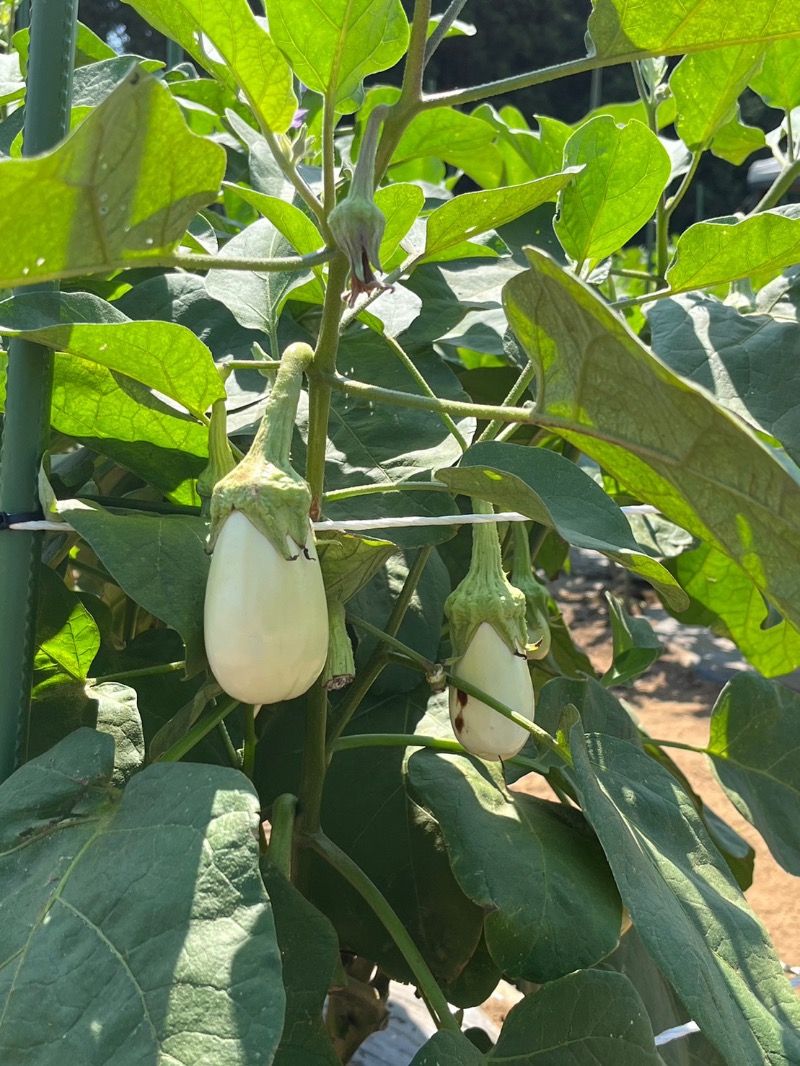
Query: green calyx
<point x="340" y="667"/>
<point x="486" y="595"/>
<point x="264" y="486"/>
<point x="220" y="456"/>
<point x="357" y="223"/>
<point x="536" y="611"/>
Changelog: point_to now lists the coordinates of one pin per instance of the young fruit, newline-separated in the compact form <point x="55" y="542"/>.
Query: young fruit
<point x="266" y="618"/>
<point x="488" y="634"/>
<point x="490" y="665"/>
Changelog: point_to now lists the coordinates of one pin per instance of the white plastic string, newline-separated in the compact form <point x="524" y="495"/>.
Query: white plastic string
<point x="330" y="525"/>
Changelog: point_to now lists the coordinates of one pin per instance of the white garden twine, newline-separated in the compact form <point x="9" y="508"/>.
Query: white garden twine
<point x="331" y="525"/>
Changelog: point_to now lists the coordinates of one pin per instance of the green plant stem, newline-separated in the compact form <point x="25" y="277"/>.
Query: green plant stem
<point x="290" y="172"/>
<point x="779" y="187"/>
<point x="281" y="838"/>
<point x="683" y="188"/>
<point x="637" y="301"/>
<point x="188" y="261"/>
<point x="234" y="758"/>
<point x="324" y="366"/>
<point x="371" y="894"/>
<point x="426" y="403"/>
<point x="416" y="376"/>
<point x="515" y="393"/>
<point x="456" y="97"/>
<point x="415" y="740"/>
<point x="379" y="488"/>
<point x="315" y="761"/>
<point x="250" y="740"/>
<point x="445" y="22"/>
<point x="200" y="729"/>
<point x="675" y="744"/>
<point x="392" y="642"/>
<point x="641" y="275"/>
<point x="328" y="155"/>
<point x="144" y="671"/>
<point x="417" y="47"/>
<point x="122" y="503"/>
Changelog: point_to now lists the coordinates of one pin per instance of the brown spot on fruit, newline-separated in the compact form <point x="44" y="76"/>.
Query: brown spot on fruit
<point x="461" y="697"/>
<point x="459" y="723"/>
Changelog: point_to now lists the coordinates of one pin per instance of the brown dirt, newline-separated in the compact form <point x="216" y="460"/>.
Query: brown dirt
<point x="674" y="703"/>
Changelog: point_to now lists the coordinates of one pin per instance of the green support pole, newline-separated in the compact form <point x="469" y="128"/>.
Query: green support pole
<point x="28" y="387"/>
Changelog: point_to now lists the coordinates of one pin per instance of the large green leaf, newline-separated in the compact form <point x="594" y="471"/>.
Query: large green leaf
<point x="348" y="562"/>
<point x="475" y="212"/>
<point x="229" y="42"/>
<point x="310" y="954"/>
<point x="256" y="299"/>
<point x="136" y="923"/>
<point x="123" y="420"/>
<point x="750" y="363"/>
<point x="585" y="1019"/>
<point x="720" y="586"/>
<point x="332" y="49"/>
<point x="778" y="81"/>
<point x="670" y="444"/>
<point x="551" y="903"/>
<point x="624" y="172"/>
<point x="552" y="490"/>
<point x="755" y="750"/>
<point x="723" y="250"/>
<point x="464" y="141"/>
<point x="706" y="87"/>
<point x="159" y="561"/>
<point x="67" y="638"/>
<point x="685" y="903"/>
<point x="161" y="355"/>
<point x="368" y="810"/>
<point x="123" y="187"/>
<point x="618" y="27"/>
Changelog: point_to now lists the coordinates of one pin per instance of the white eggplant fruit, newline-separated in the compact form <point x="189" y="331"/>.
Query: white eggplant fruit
<point x="266" y="617"/>
<point x="490" y="665"/>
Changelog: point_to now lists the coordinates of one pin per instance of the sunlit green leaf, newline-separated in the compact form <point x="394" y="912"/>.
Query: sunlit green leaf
<point x="722" y="250"/>
<point x="333" y="49"/>
<point x="348" y="562"/>
<point x="464" y="141"/>
<point x="736" y="140"/>
<point x="706" y="87"/>
<point x="778" y="81"/>
<point x="232" y="45"/>
<point x="123" y="187"/>
<point x="635" y="645"/>
<point x="624" y="171"/>
<point x="475" y="212"/>
<point x="619" y="28"/>
<point x="667" y="442"/>
<point x="163" y="356"/>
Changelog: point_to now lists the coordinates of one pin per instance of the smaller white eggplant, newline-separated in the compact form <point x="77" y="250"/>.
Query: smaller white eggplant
<point x="266" y="617"/>
<point x="489" y="664"/>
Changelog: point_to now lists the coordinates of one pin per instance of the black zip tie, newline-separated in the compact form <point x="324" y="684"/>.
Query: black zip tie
<point x="7" y="520"/>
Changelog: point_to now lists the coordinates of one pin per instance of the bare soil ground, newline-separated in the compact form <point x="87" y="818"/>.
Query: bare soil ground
<point x="673" y="701"/>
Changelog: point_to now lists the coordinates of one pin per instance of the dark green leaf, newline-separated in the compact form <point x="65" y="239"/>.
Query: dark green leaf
<point x="136" y="923"/>
<point x="549" y="897"/>
<point x="636" y="646"/>
<point x="685" y="903"/>
<point x="310" y="954"/>
<point x="159" y="561"/>
<point x="554" y="491"/>
<point x="755" y="750"/>
<point x="448" y="1049"/>
<point x="348" y="562"/>
<point x="123" y="187"/>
